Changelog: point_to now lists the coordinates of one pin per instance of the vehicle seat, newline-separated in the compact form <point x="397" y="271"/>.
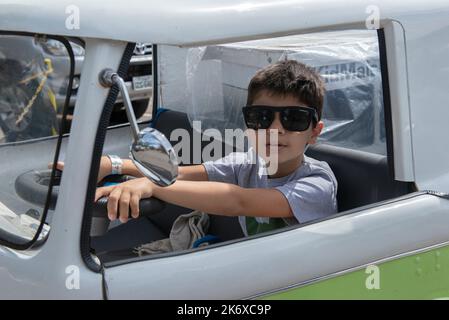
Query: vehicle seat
<point x="363" y="178"/>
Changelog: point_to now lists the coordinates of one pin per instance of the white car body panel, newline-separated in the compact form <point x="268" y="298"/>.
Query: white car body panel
<point x="398" y="81"/>
<point x="245" y="269"/>
<point x="181" y="22"/>
<point x="427" y="68"/>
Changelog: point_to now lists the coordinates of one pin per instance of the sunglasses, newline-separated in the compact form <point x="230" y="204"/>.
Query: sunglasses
<point x="292" y="118"/>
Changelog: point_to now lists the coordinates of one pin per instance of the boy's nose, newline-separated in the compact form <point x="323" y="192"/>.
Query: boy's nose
<point x="277" y="125"/>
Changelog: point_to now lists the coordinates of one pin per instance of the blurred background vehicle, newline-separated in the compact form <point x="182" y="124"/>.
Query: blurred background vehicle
<point x="138" y="79"/>
<point x="34" y="74"/>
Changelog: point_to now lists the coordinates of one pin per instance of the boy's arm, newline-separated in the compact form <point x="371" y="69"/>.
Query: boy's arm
<point x="225" y="199"/>
<point x="192" y="173"/>
<point x="130" y="168"/>
<point x="211" y="197"/>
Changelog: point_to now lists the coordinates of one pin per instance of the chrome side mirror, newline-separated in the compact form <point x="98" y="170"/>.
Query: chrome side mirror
<point x="151" y="151"/>
<point x="155" y="157"/>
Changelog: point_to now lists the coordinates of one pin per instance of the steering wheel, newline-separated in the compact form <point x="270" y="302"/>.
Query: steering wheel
<point x="32" y="186"/>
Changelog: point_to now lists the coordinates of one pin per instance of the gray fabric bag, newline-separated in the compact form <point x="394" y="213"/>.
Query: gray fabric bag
<point x="186" y="229"/>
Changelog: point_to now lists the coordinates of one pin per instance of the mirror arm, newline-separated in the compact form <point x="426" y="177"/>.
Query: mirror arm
<point x="107" y="79"/>
<point x="151" y="151"/>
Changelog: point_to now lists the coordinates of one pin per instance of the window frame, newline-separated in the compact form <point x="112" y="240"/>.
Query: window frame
<point x="6" y="239"/>
<point x="390" y="159"/>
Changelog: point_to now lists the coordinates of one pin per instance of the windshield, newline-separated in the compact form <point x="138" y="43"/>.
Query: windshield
<point x="33" y="88"/>
<point x="210" y="83"/>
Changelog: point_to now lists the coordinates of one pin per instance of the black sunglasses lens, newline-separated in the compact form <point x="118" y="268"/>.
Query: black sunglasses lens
<point x="296" y="119"/>
<point x="258" y="118"/>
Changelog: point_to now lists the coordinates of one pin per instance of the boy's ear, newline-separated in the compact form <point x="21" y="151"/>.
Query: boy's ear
<point x="316" y="132"/>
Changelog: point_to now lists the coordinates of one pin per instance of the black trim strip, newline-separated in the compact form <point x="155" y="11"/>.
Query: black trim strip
<point x="386" y="100"/>
<point x="104" y="285"/>
<point x="95" y="163"/>
<point x="35" y="240"/>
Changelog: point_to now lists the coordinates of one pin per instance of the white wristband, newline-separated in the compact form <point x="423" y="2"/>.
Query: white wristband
<point x="116" y="164"/>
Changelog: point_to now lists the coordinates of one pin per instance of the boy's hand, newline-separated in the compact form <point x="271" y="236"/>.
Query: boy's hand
<point x="125" y="196"/>
<point x="104" y="170"/>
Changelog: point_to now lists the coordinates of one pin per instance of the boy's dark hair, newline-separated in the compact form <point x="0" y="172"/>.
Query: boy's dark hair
<point x="289" y="77"/>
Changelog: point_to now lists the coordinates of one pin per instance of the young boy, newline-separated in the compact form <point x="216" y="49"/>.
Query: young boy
<point x="286" y="97"/>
